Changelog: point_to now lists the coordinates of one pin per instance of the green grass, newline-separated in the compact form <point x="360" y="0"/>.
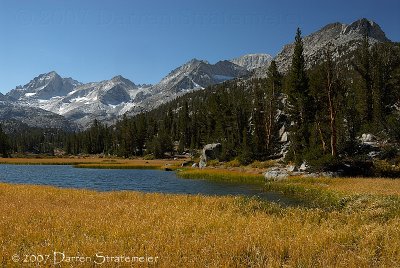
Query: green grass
<point x="344" y="194"/>
<point x="222" y="175"/>
<point x="311" y="196"/>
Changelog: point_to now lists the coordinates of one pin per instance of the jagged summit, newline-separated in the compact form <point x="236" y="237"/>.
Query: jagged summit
<point x="104" y="101"/>
<point x="196" y="61"/>
<point x="193" y="75"/>
<point x="342" y="39"/>
<point x="253" y="61"/>
<point x="366" y="27"/>
<point x="121" y="79"/>
<point x="198" y="74"/>
<point x="44" y="86"/>
<point x="118" y="78"/>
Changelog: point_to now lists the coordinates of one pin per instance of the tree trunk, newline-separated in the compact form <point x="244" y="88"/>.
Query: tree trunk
<point x="321" y="136"/>
<point x="332" y="116"/>
<point x="270" y="118"/>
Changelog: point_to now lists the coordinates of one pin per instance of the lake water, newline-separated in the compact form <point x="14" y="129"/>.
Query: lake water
<point x="128" y="180"/>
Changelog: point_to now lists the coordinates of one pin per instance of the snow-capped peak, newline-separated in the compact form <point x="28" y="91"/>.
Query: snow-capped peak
<point x="44" y="86"/>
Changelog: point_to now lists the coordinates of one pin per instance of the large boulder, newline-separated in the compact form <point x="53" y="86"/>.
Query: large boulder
<point x="369" y="139"/>
<point x="210" y="152"/>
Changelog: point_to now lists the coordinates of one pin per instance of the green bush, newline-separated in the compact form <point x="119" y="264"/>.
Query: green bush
<point x="318" y="161"/>
<point x="213" y="163"/>
<point x="389" y="152"/>
<point x="263" y="164"/>
<point x="384" y="169"/>
<point x="149" y="157"/>
<point x="233" y="163"/>
<point x="393" y="126"/>
<point x="245" y="158"/>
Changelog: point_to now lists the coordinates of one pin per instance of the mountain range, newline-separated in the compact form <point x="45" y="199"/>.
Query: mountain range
<point x="50" y="100"/>
<point x="107" y="100"/>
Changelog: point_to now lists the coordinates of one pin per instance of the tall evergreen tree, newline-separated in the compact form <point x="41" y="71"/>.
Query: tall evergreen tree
<point x="385" y="61"/>
<point x="300" y="104"/>
<point x="363" y="67"/>
<point x="273" y="91"/>
<point x="259" y="121"/>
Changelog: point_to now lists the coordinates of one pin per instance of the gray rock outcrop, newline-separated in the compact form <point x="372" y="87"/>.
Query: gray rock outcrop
<point x="210" y="152"/>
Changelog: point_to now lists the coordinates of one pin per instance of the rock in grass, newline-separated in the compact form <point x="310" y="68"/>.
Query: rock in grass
<point x="187" y="163"/>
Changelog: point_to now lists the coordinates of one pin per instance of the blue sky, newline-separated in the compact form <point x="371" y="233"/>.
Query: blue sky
<point x="145" y="40"/>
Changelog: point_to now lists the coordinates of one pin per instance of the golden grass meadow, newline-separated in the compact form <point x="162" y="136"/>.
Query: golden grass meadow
<point x="358" y="227"/>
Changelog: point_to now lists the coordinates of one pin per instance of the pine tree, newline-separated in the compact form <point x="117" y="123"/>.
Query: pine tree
<point x="4" y="143"/>
<point x="184" y="127"/>
<point x="300" y="104"/>
<point x="274" y="89"/>
<point x="363" y="67"/>
<point x="259" y="121"/>
<point x="385" y="60"/>
<point x="246" y="155"/>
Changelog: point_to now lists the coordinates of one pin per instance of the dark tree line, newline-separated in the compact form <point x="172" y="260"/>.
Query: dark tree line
<point x="4" y="143"/>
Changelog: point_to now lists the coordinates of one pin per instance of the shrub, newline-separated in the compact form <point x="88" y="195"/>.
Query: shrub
<point x="389" y="152"/>
<point x="382" y="168"/>
<point x="264" y="164"/>
<point x="149" y="157"/>
<point x="233" y="163"/>
<point x="319" y="161"/>
<point x="213" y="163"/>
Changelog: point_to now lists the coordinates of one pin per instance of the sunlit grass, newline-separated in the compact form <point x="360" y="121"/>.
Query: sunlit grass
<point x="192" y="231"/>
<point x="348" y="222"/>
<point x="222" y="175"/>
<point x="344" y="194"/>
<point x="376" y="186"/>
<point x="100" y="163"/>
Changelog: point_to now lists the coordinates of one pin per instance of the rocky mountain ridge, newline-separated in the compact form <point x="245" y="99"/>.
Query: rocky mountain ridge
<point x="253" y="61"/>
<point x="44" y="86"/>
<point x="33" y="117"/>
<point x="341" y="38"/>
<point x="109" y="99"/>
<point x="193" y="75"/>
